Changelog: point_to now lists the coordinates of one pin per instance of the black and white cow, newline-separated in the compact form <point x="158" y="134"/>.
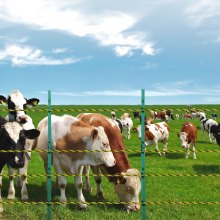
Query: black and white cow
<point x="17" y="105"/>
<point x="214" y="116"/>
<point x="13" y="137"/>
<point x="215" y="130"/>
<point x="206" y="125"/>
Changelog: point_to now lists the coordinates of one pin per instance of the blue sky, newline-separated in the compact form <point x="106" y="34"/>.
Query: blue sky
<point x="95" y="52"/>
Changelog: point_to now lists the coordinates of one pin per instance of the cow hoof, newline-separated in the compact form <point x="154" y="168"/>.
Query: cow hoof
<point x="25" y="198"/>
<point x="83" y="206"/>
<point x="11" y="197"/>
<point x="100" y="197"/>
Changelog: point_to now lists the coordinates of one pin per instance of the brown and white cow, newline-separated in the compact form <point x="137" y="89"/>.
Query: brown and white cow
<point x="70" y="133"/>
<point x="155" y="133"/>
<point x="186" y="116"/>
<point x="127" y="124"/>
<point x="127" y="180"/>
<point x="188" y="137"/>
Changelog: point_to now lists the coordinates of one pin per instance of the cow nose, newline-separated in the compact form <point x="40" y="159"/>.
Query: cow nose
<point x="137" y="207"/>
<point x="23" y="118"/>
<point x="183" y="146"/>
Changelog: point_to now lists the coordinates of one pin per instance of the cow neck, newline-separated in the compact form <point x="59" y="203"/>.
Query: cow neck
<point x="122" y="163"/>
<point x="116" y="143"/>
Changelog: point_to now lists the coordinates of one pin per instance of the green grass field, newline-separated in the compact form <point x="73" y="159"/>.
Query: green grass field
<point x="171" y="189"/>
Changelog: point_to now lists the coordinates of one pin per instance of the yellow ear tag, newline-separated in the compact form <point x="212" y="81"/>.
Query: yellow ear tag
<point x="3" y="103"/>
<point x="35" y="103"/>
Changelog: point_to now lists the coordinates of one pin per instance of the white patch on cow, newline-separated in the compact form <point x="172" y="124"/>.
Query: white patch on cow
<point x="13" y="129"/>
<point x="91" y="119"/>
<point x="18" y="99"/>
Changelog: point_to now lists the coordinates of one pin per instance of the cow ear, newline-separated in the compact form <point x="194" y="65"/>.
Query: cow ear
<point x="3" y="100"/>
<point x="94" y="133"/>
<point x="32" y="102"/>
<point x="32" y="133"/>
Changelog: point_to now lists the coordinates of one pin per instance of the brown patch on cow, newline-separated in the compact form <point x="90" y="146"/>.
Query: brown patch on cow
<point x="149" y="135"/>
<point x="74" y="140"/>
<point x="190" y="129"/>
<point x="115" y="140"/>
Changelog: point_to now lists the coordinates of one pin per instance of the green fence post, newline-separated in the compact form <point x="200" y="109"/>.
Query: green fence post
<point x="49" y="180"/>
<point x="143" y="178"/>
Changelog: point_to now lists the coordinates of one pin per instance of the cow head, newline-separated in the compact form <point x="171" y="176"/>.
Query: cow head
<point x="13" y="138"/>
<point x="98" y="141"/>
<point x="183" y="138"/>
<point x="17" y="105"/>
<point x="128" y="188"/>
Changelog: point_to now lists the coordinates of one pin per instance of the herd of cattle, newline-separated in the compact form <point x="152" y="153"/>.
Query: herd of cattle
<point x="87" y="132"/>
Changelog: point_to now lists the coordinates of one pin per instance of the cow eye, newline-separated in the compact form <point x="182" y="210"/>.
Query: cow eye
<point x="105" y="145"/>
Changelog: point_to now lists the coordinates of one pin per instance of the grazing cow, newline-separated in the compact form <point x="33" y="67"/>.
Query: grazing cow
<point x="70" y="133"/>
<point x="206" y="125"/>
<point x="13" y="137"/>
<point x="127" y="124"/>
<point x="186" y="116"/>
<point x="126" y="179"/>
<point x="215" y="130"/>
<point x="138" y="115"/>
<point x="214" y="116"/>
<point x="155" y="133"/>
<point x="163" y="115"/>
<point x="19" y="104"/>
<point x="188" y="137"/>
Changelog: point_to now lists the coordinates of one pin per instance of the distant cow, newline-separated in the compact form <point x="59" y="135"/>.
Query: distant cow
<point x="155" y="133"/>
<point x="214" y="116"/>
<point x="13" y="137"/>
<point x="186" y="116"/>
<point x="188" y="137"/>
<point x="70" y="133"/>
<point x="177" y="116"/>
<point x="17" y="106"/>
<point x="127" y="124"/>
<point x="163" y="115"/>
<point x="126" y="179"/>
<point x="138" y="115"/>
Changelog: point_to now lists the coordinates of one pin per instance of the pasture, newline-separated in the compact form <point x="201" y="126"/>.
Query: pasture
<point x="159" y="189"/>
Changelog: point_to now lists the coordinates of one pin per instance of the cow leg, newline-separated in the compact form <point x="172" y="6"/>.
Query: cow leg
<point x="156" y="147"/>
<point x="11" y="190"/>
<point x="187" y="152"/>
<point x="193" y="151"/>
<point x="1" y="206"/>
<point x="129" y="133"/>
<point x="79" y="185"/>
<point x="98" y="180"/>
<point x="23" y="181"/>
<point x="165" y="142"/>
<point x="87" y="184"/>
<point x="203" y="134"/>
<point x="210" y="137"/>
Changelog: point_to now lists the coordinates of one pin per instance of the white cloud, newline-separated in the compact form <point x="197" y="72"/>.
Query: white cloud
<point x="25" y="55"/>
<point x="60" y="50"/>
<point x="109" y="28"/>
<point x="202" y="11"/>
